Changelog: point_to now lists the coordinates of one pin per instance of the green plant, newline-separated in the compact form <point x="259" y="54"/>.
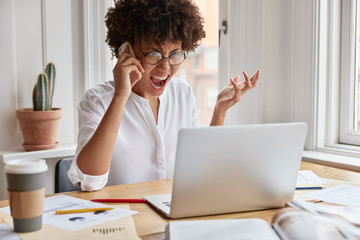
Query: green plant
<point x="43" y="91"/>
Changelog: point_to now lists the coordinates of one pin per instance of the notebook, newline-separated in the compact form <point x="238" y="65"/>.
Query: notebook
<point x="229" y="169"/>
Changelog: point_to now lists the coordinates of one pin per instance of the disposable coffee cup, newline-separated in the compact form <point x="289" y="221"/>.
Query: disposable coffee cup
<point x="26" y="192"/>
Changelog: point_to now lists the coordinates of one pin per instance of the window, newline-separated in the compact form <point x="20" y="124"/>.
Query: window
<point x="337" y="112"/>
<point x="200" y="69"/>
<point x="349" y="105"/>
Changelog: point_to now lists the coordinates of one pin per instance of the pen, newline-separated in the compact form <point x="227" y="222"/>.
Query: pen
<point x="307" y="188"/>
<point x="114" y="200"/>
<point x="82" y="210"/>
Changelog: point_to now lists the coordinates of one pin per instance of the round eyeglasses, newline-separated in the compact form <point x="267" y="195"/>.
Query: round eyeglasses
<point x="155" y="57"/>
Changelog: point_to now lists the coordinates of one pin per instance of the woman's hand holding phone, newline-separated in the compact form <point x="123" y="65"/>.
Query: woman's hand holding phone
<point x="127" y="71"/>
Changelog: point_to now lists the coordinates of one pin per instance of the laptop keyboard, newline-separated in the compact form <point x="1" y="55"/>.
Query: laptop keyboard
<point x="168" y="204"/>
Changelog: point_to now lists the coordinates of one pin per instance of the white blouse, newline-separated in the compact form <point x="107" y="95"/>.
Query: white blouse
<point x="143" y="150"/>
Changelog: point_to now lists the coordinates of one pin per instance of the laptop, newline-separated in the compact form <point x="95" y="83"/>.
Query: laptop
<point x="230" y="169"/>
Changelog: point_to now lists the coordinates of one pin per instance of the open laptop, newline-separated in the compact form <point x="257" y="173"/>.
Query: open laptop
<point x="233" y="169"/>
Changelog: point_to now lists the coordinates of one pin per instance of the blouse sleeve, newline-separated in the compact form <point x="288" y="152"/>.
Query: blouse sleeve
<point x="90" y="113"/>
<point x="85" y="181"/>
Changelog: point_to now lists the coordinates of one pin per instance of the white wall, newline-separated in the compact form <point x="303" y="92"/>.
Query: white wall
<point x="276" y="36"/>
<point x="32" y="33"/>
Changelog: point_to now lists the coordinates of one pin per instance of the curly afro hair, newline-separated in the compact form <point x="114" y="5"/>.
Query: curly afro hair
<point x="154" y="20"/>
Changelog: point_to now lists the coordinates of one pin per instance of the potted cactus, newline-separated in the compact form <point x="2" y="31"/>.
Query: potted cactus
<point x="40" y="124"/>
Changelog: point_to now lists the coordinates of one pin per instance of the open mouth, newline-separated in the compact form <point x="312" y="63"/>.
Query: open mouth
<point x="158" y="82"/>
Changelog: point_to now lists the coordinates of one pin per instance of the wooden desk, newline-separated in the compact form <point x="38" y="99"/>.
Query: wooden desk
<point x="150" y="224"/>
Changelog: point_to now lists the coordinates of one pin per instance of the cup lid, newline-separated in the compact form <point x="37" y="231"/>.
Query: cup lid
<point x="26" y="166"/>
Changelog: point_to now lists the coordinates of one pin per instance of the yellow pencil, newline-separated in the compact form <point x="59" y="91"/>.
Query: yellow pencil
<point x="82" y="210"/>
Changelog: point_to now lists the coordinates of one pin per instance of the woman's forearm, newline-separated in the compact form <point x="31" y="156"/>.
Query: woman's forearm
<point x="95" y="157"/>
<point x="218" y="117"/>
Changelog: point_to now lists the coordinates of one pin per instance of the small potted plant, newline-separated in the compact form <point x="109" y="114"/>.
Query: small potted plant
<point x="40" y="124"/>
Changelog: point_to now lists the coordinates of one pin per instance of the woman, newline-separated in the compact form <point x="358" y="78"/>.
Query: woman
<point x="128" y="127"/>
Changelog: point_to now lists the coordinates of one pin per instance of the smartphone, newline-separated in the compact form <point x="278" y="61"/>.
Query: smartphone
<point x="123" y="47"/>
<point x="131" y="51"/>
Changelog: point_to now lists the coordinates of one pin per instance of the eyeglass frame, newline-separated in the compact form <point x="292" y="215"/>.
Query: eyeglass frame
<point x="162" y="57"/>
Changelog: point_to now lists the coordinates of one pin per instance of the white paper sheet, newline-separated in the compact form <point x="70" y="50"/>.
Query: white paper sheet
<point x="351" y="214"/>
<point x="7" y="233"/>
<point x="340" y="194"/>
<point x="308" y="177"/>
<point x="224" y="229"/>
<point x="76" y="221"/>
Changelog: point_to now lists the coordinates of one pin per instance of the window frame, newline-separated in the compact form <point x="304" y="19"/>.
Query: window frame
<point x="333" y="70"/>
<point x="348" y="77"/>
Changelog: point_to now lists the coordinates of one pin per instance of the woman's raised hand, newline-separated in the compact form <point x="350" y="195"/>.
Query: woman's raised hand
<point x="232" y="93"/>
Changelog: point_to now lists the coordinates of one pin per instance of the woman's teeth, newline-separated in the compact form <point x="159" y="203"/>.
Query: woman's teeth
<point x="158" y="81"/>
<point x="160" y="78"/>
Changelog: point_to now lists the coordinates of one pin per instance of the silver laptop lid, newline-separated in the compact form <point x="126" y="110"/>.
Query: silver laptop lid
<point x="236" y="168"/>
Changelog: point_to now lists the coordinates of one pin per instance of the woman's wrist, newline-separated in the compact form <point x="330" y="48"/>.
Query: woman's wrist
<point x="120" y="98"/>
<point x="218" y="117"/>
<point x="122" y="95"/>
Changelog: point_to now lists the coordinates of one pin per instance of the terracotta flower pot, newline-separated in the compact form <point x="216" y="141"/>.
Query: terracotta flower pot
<point x="39" y="128"/>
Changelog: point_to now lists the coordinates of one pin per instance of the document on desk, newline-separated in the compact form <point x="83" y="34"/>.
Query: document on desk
<point x="342" y="194"/>
<point x="76" y="221"/>
<point x="308" y="177"/>
<point x="123" y="228"/>
<point x="351" y="214"/>
<point x="224" y="229"/>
